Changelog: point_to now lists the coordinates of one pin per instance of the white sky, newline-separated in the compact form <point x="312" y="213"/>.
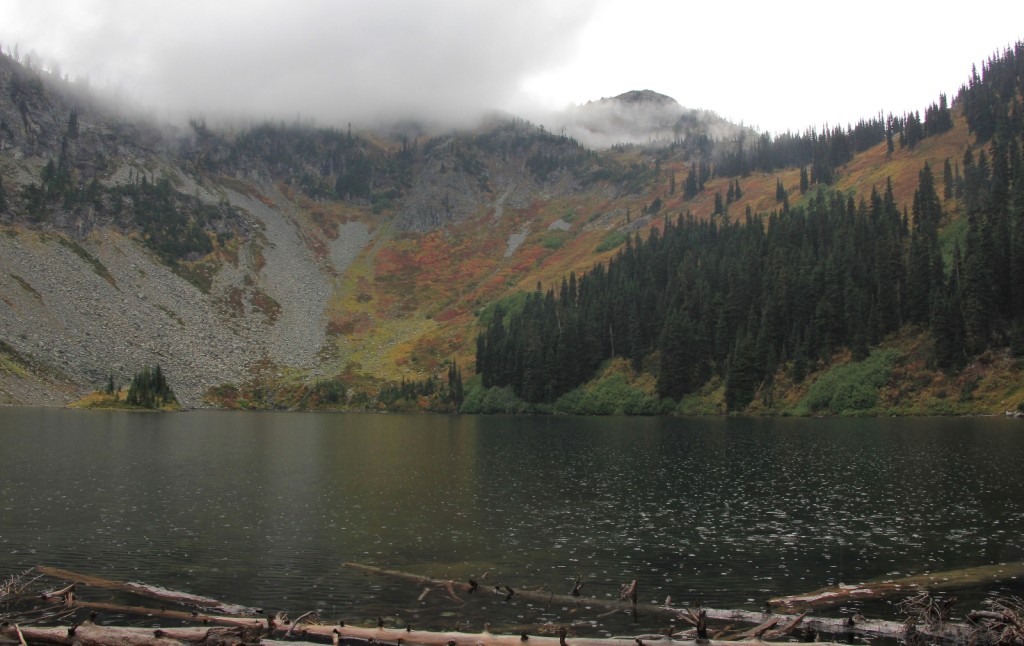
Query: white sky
<point x="778" y="65"/>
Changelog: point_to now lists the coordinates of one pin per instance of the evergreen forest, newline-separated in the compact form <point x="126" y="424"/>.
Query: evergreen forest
<point x="748" y="300"/>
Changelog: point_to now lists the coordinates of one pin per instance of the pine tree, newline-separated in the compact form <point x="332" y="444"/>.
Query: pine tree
<point x="947" y="180"/>
<point x="948" y="326"/>
<point x="744" y="374"/>
<point x="780" y="190"/>
<point x="977" y="290"/>
<point x="149" y="389"/>
<point x="890" y="145"/>
<point x="456" y="390"/>
<point x="1016" y="225"/>
<point x="680" y="370"/>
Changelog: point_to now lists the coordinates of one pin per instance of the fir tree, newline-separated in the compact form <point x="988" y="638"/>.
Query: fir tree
<point x="780" y="191"/>
<point x="149" y="389"/>
<point x="947" y="180"/>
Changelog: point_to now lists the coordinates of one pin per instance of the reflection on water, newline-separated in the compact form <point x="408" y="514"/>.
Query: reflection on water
<point x="263" y="509"/>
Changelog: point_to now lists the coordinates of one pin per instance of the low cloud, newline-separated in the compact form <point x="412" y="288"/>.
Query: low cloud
<point x="330" y="61"/>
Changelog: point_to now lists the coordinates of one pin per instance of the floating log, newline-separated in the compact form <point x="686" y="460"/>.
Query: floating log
<point x="829" y="626"/>
<point x="166" y="613"/>
<point x="451" y="586"/>
<point x="768" y="626"/>
<point x="832" y="596"/>
<point x="146" y="590"/>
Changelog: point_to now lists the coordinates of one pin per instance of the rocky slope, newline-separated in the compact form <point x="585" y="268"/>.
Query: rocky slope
<point x="281" y="252"/>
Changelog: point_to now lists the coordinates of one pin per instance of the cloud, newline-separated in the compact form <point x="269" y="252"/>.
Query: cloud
<point x="333" y="61"/>
<point x="777" y="65"/>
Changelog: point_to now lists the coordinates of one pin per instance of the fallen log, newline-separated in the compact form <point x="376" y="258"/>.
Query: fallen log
<point x="236" y="630"/>
<point x="90" y="634"/>
<point x="829" y="626"/>
<point x="486" y="638"/>
<point x="165" y="613"/>
<point x="768" y="626"/>
<point x="452" y="586"/>
<point x="832" y="596"/>
<point x="147" y="590"/>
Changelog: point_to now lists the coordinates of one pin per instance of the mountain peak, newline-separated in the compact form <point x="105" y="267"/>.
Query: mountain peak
<point x="639" y="117"/>
<point x="643" y="96"/>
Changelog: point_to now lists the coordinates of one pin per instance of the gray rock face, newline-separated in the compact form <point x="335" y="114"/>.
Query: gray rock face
<point x="107" y="306"/>
<point x="59" y="311"/>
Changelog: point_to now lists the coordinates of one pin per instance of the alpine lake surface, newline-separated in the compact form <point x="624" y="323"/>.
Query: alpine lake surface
<point x="264" y="509"/>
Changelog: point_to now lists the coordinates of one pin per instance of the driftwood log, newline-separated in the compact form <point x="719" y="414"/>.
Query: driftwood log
<point x="207" y="625"/>
<point x="833" y="596"/>
<point x="90" y="634"/>
<point x="146" y="590"/>
<point x="825" y="625"/>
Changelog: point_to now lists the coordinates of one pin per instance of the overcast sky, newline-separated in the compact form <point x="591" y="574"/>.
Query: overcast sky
<point x="778" y="65"/>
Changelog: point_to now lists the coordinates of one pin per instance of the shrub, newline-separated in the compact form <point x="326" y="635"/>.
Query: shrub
<point x="553" y="239"/>
<point x="484" y="401"/>
<point x="611" y="241"/>
<point x="610" y="396"/>
<point x="851" y="387"/>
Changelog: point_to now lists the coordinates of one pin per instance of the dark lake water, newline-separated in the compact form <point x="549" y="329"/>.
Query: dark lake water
<point x="263" y="509"/>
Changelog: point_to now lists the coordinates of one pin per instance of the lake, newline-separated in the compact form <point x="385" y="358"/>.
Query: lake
<point x="263" y="509"/>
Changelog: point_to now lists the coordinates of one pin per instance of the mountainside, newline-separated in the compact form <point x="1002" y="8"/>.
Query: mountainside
<point x="286" y="265"/>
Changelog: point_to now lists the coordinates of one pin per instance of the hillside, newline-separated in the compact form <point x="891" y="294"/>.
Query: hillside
<point x="289" y="265"/>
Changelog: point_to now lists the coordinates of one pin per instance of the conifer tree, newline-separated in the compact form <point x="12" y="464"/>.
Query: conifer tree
<point x="149" y="389"/>
<point x="947" y="180"/>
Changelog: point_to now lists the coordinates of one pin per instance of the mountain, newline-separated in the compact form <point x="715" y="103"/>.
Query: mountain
<point x="285" y="265"/>
<point x="641" y="117"/>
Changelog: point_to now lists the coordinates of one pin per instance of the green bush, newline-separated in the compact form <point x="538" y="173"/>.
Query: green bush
<point x="487" y="401"/>
<point x="554" y="239"/>
<point x="611" y="241"/>
<point x="610" y="396"/>
<point x="849" y="388"/>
